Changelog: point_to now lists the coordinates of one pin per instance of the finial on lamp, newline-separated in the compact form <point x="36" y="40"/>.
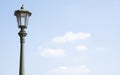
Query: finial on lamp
<point x="22" y="6"/>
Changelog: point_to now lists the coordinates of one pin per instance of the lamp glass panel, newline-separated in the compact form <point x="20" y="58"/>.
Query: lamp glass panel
<point x="23" y="19"/>
<point x="18" y="19"/>
<point x="27" y="18"/>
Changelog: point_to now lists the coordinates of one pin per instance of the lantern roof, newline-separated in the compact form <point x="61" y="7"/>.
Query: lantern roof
<point x="22" y="10"/>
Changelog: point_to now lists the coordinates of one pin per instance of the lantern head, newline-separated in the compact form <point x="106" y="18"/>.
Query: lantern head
<point x="22" y="16"/>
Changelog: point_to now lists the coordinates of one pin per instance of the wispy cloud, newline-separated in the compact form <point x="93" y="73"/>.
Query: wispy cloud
<point x="80" y="58"/>
<point x="100" y="48"/>
<point x="83" y="69"/>
<point x="70" y="36"/>
<point x="83" y="58"/>
<point x="81" y="48"/>
<point x="46" y="52"/>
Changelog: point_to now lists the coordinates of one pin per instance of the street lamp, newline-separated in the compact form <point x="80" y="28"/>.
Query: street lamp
<point x="22" y="16"/>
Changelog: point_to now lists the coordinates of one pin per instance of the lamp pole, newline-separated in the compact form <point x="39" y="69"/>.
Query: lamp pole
<point x="22" y="35"/>
<point x="22" y="16"/>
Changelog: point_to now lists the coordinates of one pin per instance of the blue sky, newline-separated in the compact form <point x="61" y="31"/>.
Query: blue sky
<point x="65" y="37"/>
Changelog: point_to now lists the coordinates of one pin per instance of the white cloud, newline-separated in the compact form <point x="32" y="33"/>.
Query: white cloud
<point x="70" y="36"/>
<point x="70" y="70"/>
<point x="46" y="52"/>
<point x="81" y="48"/>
